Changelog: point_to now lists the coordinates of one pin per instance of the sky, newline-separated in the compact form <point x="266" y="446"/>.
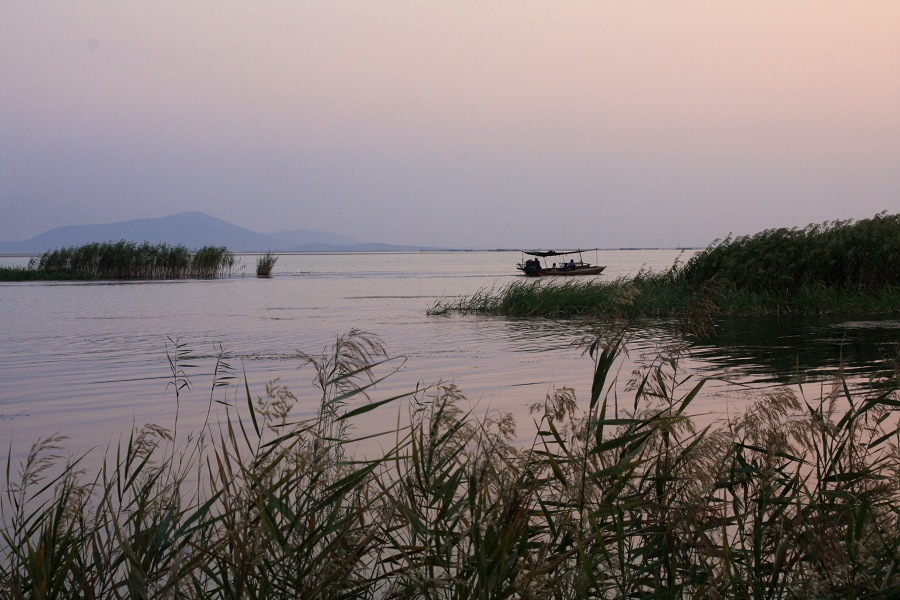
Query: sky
<point x="481" y="124"/>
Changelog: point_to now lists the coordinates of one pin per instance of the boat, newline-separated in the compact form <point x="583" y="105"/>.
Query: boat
<point x="534" y="267"/>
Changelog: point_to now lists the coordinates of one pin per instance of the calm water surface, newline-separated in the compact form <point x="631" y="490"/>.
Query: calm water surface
<point x="89" y="360"/>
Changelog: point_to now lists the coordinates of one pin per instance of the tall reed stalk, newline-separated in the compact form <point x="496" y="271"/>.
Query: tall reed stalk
<point x="842" y="254"/>
<point x="129" y="260"/>
<point x="265" y="264"/>
<point x="795" y="497"/>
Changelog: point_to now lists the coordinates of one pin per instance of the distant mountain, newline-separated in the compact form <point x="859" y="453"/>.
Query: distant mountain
<point x="194" y="230"/>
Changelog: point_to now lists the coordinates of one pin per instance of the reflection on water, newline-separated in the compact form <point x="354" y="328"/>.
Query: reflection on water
<point x="792" y="350"/>
<point x="89" y="360"/>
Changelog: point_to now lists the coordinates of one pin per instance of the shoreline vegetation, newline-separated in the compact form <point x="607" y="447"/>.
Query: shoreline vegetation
<point x="124" y="261"/>
<point x="795" y="497"/>
<point x="265" y="264"/>
<point x="841" y="267"/>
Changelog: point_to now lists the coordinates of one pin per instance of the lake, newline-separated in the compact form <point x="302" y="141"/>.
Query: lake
<point x="89" y="360"/>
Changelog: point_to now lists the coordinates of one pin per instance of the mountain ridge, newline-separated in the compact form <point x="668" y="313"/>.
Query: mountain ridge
<point x="193" y="229"/>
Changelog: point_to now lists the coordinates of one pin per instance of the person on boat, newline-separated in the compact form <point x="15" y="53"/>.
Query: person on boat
<point x="571" y="265"/>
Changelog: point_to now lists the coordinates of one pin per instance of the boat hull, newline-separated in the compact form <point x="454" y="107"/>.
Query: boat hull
<point x="557" y="272"/>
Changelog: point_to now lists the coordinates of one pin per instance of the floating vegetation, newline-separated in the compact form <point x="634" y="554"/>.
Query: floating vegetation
<point x="129" y="260"/>
<point x="264" y="265"/>
<point x="796" y="497"/>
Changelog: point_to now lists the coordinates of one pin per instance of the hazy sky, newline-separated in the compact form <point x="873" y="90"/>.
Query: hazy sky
<point x="480" y="124"/>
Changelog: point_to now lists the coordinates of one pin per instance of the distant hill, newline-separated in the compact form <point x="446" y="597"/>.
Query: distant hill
<point x="194" y="230"/>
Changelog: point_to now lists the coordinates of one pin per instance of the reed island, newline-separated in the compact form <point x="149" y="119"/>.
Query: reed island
<point x="124" y="260"/>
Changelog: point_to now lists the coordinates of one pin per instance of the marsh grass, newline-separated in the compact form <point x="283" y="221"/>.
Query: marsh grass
<point x="129" y="260"/>
<point x="862" y="254"/>
<point x="842" y="267"/>
<point x="32" y="274"/>
<point x="265" y="264"/>
<point x="795" y="497"/>
<point x="647" y="295"/>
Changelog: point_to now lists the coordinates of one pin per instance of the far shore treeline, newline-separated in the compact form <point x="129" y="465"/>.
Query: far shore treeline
<point x="840" y="267"/>
<point x="125" y="260"/>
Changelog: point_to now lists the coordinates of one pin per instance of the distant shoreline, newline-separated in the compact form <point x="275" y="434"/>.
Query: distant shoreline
<point x="423" y="251"/>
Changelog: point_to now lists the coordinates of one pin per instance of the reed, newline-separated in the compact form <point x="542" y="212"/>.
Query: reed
<point x="795" y="497"/>
<point x="129" y="260"/>
<point x="842" y="267"/>
<point x="529" y="298"/>
<point x="265" y="264"/>
<point x="211" y="261"/>
<point x="31" y="274"/>
<point x="647" y="295"/>
<point x="839" y="254"/>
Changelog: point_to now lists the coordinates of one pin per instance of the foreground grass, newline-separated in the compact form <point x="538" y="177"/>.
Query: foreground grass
<point x="795" y="498"/>
<point x="837" y="268"/>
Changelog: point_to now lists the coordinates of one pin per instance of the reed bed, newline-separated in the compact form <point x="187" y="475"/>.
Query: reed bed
<point x="794" y="498"/>
<point x="652" y="296"/>
<point x="569" y="298"/>
<point x="839" y="254"/>
<point x="265" y="264"/>
<point x="32" y="274"/>
<point x="645" y="295"/>
<point x="129" y="260"/>
<point x="842" y="267"/>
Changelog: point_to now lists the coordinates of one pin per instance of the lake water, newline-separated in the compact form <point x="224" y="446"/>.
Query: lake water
<point x="89" y="360"/>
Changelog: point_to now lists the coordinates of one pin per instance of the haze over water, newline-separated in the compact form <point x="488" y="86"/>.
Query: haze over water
<point x="89" y="360"/>
<point x="492" y="124"/>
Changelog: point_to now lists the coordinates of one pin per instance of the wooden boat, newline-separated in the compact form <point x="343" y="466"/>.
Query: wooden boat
<point x="533" y="267"/>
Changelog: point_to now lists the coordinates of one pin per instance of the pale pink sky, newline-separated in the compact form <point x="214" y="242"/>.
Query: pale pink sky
<point x="481" y="124"/>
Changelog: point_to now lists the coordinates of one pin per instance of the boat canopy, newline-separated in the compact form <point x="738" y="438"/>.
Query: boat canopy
<point x="546" y="253"/>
